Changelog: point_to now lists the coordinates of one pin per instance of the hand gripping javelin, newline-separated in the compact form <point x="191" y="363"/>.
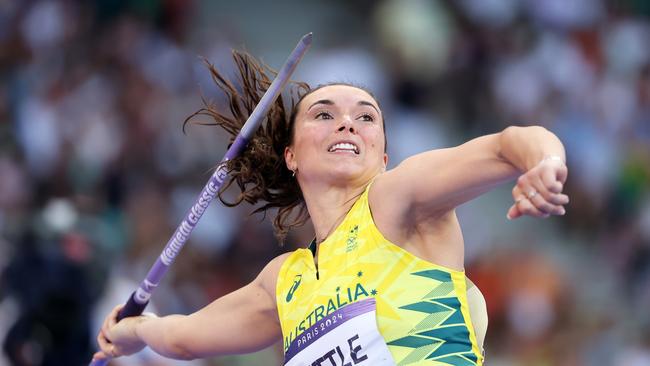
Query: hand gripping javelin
<point x="140" y="298"/>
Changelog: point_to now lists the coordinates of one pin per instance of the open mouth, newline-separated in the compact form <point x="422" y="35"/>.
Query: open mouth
<point x="344" y="147"/>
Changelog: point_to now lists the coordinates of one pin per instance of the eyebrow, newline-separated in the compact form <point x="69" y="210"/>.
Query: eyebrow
<point x="329" y="102"/>
<point x="363" y="102"/>
<point x="322" y="101"/>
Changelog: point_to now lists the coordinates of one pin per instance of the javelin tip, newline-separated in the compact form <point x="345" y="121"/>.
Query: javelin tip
<point x="307" y="38"/>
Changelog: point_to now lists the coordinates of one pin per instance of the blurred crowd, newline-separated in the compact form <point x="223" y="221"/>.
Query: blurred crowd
<point x="96" y="172"/>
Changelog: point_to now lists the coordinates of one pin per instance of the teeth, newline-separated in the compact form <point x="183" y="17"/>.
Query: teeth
<point x="344" y="146"/>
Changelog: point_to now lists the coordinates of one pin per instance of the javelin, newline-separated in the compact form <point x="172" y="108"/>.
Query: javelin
<point x="140" y="298"/>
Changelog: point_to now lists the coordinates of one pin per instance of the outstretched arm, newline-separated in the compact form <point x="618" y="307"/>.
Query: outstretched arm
<point x="433" y="183"/>
<point x="242" y="321"/>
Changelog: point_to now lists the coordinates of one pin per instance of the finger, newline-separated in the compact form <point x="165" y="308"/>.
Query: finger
<point x="538" y="183"/>
<point x="527" y="186"/>
<point x="105" y="331"/>
<point x="110" y="321"/>
<point x="550" y="181"/>
<point x="112" y="318"/>
<point x="107" y="321"/>
<point x="544" y="206"/>
<point x="539" y="196"/>
<point x="527" y="208"/>
<point x="104" y="345"/>
<point x="562" y="173"/>
<point x="517" y="194"/>
<point x="542" y="197"/>
<point x="100" y="356"/>
<point x="513" y="212"/>
<point x="559" y="199"/>
<point x="115" y="351"/>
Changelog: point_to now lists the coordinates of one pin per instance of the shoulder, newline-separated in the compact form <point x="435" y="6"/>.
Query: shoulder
<point x="392" y="191"/>
<point x="395" y="213"/>
<point x="389" y="204"/>
<point x="268" y="277"/>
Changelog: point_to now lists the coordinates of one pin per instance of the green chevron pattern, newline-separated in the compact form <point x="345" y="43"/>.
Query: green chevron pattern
<point x="441" y="337"/>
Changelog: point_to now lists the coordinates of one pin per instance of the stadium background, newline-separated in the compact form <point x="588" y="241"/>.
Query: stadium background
<point x="95" y="172"/>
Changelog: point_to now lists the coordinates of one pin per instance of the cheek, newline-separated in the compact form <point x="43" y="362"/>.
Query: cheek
<point x="376" y="140"/>
<point x="308" y="139"/>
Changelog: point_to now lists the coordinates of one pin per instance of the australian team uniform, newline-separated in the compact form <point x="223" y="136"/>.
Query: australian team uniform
<point x="372" y="303"/>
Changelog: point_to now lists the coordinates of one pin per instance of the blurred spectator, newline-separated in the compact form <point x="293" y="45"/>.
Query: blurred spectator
<point x="55" y="297"/>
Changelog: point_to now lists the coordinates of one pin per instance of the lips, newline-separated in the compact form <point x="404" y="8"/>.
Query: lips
<point x="344" y="146"/>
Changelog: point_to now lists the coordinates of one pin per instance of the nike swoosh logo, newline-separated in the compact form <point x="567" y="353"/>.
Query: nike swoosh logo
<point x="294" y="287"/>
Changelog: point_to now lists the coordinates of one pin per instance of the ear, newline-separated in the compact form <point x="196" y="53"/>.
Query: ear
<point x="290" y="158"/>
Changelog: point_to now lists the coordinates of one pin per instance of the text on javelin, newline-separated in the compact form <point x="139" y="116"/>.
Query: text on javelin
<point x="182" y="233"/>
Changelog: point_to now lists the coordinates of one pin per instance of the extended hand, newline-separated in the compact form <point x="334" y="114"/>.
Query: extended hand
<point x="538" y="192"/>
<point x="118" y="338"/>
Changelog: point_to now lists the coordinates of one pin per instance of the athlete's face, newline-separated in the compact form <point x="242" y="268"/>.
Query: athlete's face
<point x="338" y="137"/>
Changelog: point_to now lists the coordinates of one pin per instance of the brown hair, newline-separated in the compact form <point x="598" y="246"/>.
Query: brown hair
<point x="260" y="172"/>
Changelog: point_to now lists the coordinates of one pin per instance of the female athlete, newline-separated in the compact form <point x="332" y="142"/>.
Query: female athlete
<point x="382" y="283"/>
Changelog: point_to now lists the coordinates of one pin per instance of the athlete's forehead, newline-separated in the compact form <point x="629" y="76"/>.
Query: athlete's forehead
<point x="340" y="96"/>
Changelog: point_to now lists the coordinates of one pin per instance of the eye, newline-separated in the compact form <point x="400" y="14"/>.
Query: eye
<point x="323" y="115"/>
<point x="366" y="117"/>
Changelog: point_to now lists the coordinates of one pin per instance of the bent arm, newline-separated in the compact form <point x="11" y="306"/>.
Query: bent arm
<point x="525" y="147"/>
<point x="435" y="182"/>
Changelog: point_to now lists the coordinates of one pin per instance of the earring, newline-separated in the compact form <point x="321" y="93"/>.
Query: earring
<point x="294" y="173"/>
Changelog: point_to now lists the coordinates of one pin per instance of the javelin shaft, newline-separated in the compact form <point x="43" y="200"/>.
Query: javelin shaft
<point x="140" y="298"/>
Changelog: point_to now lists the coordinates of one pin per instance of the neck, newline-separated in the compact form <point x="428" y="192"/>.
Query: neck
<point x="328" y="205"/>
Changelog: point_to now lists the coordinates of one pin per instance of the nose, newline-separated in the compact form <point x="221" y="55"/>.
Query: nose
<point x="346" y="124"/>
<point x="342" y="128"/>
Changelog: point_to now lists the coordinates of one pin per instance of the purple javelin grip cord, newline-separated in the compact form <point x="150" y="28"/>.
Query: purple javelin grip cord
<point x="140" y="298"/>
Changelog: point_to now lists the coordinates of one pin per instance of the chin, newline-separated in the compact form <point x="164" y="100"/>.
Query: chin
<point x="347" y="172"/>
